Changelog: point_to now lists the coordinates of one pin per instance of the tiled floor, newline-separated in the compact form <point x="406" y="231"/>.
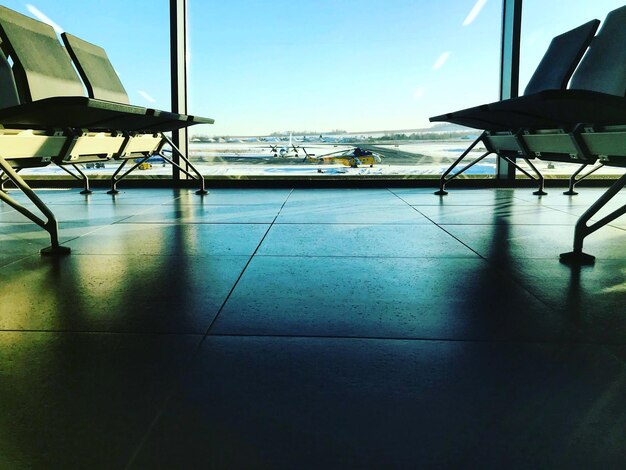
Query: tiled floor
<point x="355" y="328"/>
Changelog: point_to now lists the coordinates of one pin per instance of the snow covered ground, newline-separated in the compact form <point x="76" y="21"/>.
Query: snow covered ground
<point x="421" y="158"/>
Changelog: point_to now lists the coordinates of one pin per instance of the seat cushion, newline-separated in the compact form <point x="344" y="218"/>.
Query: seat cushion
<point x="96" y="115"/>
<point x="544" y="110"/>
<point x="484" y="118"/>
<point x="567" y="107"/>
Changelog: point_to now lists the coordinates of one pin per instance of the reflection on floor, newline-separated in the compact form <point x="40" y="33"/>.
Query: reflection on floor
<point x="312" y="329"/>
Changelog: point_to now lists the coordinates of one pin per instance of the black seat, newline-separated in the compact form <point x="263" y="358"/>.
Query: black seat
<point x="51" y="94"/>
<point x="597" y="91"/>
<point x="41" y="92"/>
<point x="553" y="73"/>
<point x="103" y="83"/>
<point x="582" y="124"/>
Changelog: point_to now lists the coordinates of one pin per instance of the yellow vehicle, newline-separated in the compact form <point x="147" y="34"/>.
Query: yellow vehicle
<point x="352" y="158"/>
<point x="145" y="166"/>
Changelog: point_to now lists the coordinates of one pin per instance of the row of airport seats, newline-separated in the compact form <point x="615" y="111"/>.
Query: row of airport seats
<point x="45" y="117"/>
<point x="584" y="123"/>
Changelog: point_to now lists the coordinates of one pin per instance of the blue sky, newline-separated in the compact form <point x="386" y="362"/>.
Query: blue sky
<point x="350" y="64"/>
<point x="275" y="65"/>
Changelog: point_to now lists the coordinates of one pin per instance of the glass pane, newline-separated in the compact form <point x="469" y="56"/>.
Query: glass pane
<point x="541" y="22"/>
<point x="285" y="79"/>
<point x="135" y="36"/>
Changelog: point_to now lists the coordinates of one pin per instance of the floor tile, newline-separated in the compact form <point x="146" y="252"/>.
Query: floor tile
<point x="593" y="298"/>
<point x="99" y="196"/>
<point x="96" y="214"/>
<point x="345" y="213"/>
<point x="28" y="238"/>
<point x="8" y="258"/>
<point x="172" y="239"/>
<point x="319" y="403"/>
<point x="510" y="242"/>
<point x="209" y="214"/>
<point x="375" y="338"/>
<point x="579" y="210"/>
<point x="49" y="196"/>
<point x="500" y="214"/>
<point x="83" y="400"/>
<point x="579" y="204"/>
<point x="410" y="241"/>
<point x="343" y="197"/>
<point x="455" y="197"/>
<point x="128" y="293"/>
<point x="585" y="197"/>
<point x="457" y="299"/>
<point x="238" y="197"/>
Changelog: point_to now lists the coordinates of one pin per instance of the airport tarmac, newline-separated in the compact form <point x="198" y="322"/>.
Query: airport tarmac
<point x="417" y="158"/>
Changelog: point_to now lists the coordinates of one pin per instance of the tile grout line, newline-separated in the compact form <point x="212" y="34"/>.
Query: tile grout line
<point x="102" y="332"/>
<point x="412" y="338"/>
<point x="493" y="265"/>
<point x="440" y="227"/>
<point x="247" y="264"/>
<point x="196" y="352"/>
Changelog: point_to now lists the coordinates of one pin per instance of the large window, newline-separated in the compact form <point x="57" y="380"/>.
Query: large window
<point x="285" y="79"/>
<point x="541" y="21"/>
<point x="135" y="36"/>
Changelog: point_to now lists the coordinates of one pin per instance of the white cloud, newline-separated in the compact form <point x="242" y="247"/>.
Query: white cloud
<point x="418" y="93"/>
<point x="441" y="60"/>
<point x="146" y="96"/>
<point x="41" y="17"/>
<point x="474" y="12"/>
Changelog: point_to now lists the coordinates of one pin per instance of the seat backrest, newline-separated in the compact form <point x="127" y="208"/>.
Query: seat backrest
<point x="561" y="58"/>
<point x="95" y="69"/>
<point x="8" y="89"/>
<point x="41" y="66"/>
<point x="603" y="67"/>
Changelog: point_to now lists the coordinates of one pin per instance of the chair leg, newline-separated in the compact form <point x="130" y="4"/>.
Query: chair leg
<point x="114" y="180"/>
<point x="50" y="225"/>
<point x="445" y="179"/>
<point x="4" y="179"/>
<point x="85" y="180"/>
<point x="540" y="191"/>
<point x="80" y="177"/>
<point x="573" y="181"/>
<point x="538" y="176"/>
<point x="582" y="230"/>
<point x="198" y="176"/>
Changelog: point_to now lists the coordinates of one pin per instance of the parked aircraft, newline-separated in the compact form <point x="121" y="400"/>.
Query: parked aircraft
<point x="289" y="150"/>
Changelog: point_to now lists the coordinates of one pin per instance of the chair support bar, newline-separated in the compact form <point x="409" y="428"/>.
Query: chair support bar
<point x="573" y="181"/>
<point x="80" y="177"/>
<point x="582" y="230"/>
<point x="4" y="179"/>
<point x="197" y="176"/>
<point x="115" y="180"/>
<point x="50" y="225"/>
<point x="539" y="177"/>
<point x="444" y="180"/>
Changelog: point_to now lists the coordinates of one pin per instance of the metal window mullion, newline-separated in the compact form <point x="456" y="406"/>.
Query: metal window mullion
<point x="178" y="59"/>
<point x="509" y="66"/>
